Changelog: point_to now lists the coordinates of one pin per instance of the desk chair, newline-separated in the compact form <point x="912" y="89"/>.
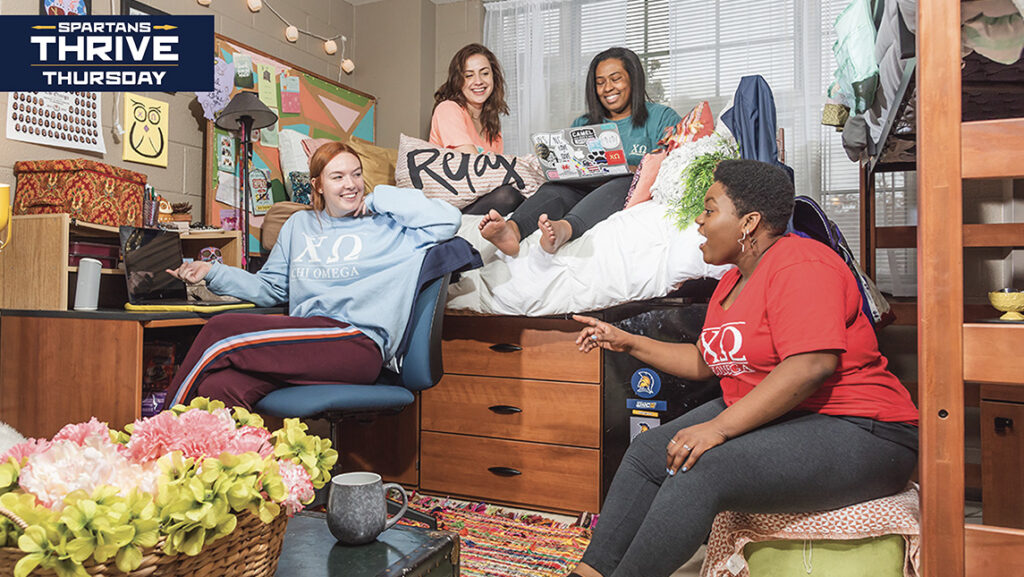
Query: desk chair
<point x="420" y="368"/>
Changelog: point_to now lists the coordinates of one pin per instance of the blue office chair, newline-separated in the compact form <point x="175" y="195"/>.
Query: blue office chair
<point x="420" y="368"/>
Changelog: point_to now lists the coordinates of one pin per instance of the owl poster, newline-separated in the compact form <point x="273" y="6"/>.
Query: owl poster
<point x="145" y="139"/>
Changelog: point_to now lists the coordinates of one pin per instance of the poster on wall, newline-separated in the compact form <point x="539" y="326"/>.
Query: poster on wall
<point x="66" y="119"/>
<point x="145" y="122"/>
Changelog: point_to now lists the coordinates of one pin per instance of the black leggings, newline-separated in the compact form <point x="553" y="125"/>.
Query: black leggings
<point x="581" y="204"/>
<point x="503" y="199"/>
<point x="651" y="524"/>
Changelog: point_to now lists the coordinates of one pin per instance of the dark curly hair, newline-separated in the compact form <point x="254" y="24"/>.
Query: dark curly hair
<point x="495" y="105"/>
<point x="755" y="186"/>
<point x="596" y="112"/>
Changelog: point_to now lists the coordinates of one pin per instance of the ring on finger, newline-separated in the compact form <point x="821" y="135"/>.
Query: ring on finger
<point x="593" y="337"/>
<point x="673" y="441"/>
<point x="687" y="447"/>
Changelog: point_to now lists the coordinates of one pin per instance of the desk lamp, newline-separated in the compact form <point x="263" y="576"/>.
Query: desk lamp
<point x="245" y="113"/>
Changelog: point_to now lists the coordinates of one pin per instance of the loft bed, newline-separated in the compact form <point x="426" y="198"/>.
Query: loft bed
<point x="884" y="137"/>
<point x="951" y="351"/>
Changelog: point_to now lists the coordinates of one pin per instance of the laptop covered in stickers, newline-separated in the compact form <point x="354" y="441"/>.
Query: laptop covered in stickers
<point x="581" y="153"/>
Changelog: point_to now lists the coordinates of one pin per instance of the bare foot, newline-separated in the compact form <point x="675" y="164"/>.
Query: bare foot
<point x="553" y="233"/>
<point x="502" y="233"/>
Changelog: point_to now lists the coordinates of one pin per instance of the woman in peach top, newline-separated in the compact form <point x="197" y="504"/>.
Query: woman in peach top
<point x="467" y="108"/>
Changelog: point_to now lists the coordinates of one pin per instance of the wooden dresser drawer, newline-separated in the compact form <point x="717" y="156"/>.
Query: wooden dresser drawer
<point x="547" y="476"/>
<point x="540" y="411"/>
<point x="520" y="347"/>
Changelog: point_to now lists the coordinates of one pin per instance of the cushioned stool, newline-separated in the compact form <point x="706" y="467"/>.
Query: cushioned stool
<point x="878" y="538"/>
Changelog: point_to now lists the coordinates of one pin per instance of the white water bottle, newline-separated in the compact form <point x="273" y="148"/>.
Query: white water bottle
<point x="87" y="292"/>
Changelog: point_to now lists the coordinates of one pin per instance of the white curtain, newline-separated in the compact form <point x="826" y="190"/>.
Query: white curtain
<point x="693" y="50"/>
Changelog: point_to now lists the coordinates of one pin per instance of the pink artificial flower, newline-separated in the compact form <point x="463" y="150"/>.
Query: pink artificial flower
<point x="84" y="434"/>
<point x="300" y="487"/>
<point x="21" y="451"/>
<point x="255" y="439"/>
<point x="196" y="433"/>
<point x="66" y="466"/>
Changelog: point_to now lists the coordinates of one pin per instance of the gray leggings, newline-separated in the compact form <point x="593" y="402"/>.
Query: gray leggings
<point x="652" y="523"/>
<point x="581" y="204"/>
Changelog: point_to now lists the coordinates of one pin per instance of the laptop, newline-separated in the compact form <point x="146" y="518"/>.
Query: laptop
<point x="148" y="253"/>
<point x="584" y="152"/>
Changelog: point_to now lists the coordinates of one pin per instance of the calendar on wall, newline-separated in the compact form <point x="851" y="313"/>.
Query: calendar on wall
<point x="66" y="119"/>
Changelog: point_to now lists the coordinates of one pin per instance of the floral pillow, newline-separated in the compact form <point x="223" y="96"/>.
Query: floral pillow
<point x="697" y="124"/>
<point x="460" y="178"/>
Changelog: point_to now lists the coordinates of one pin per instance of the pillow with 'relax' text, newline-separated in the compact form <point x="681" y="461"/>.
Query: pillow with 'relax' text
<point x="460" y="178"/>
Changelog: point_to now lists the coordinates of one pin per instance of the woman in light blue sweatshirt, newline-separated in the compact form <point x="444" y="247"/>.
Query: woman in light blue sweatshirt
<point x="348" y="271"/>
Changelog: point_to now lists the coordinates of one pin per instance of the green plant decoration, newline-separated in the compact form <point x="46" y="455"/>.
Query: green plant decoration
<point x="697" y="178"/>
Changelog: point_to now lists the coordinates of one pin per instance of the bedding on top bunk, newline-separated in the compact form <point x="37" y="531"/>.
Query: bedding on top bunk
<point x="993" y="29"/>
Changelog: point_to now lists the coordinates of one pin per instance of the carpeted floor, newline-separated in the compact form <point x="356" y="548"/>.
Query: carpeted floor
<point x="498" y="543"/>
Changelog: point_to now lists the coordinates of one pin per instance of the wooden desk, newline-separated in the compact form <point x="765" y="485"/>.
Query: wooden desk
<point x="60" y="367"/>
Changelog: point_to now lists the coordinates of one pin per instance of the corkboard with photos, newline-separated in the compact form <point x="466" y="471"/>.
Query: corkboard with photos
<point x="304" y="101"/>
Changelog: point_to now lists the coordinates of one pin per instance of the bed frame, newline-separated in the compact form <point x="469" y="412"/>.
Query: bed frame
<point x="987" y="149"/>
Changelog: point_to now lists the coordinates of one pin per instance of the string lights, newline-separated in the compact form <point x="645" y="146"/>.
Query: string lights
<point x="291" y="33"/>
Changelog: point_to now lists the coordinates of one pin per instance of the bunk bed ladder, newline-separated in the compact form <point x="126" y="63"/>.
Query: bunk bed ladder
<point x="991" y="149"/>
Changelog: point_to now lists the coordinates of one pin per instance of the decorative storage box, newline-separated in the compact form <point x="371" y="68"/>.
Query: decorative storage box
<point x="89" y="191"/>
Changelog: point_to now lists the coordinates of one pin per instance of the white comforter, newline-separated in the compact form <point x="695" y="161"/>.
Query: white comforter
<point x="635" y="254"/>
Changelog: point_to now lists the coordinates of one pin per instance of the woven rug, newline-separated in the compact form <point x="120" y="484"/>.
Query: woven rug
<point x="498" y="543"/>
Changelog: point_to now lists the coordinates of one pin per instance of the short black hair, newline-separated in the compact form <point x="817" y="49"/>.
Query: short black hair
<point x="755" y="186"/>
<point x="596" y="112"/>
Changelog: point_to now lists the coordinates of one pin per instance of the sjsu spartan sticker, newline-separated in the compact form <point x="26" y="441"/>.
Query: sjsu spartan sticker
<point x="646" y="383"/>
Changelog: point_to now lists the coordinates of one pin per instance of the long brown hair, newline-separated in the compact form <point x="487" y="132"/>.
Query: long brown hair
<point x="318" y="161"/>
<point x="494" y="106"/>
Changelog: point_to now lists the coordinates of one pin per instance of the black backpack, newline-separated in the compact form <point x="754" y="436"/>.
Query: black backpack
<point x="810" y="221"/>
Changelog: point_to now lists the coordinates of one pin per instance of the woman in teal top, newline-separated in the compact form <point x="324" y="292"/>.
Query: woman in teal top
<point x="616" y="93"/>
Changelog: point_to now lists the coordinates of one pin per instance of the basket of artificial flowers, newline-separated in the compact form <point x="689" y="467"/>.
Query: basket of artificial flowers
<point x="196" y="490"/>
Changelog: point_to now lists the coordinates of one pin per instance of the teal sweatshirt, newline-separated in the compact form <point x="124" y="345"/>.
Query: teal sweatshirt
<point x="361" y="271"/>
<point x="639" y="140"/>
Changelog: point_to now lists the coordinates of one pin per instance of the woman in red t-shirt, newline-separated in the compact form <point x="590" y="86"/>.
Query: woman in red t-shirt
<point x="809" y="419"/>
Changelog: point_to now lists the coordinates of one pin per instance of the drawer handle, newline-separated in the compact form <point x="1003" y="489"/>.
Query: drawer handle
<point x="1002" y="424"/>
<point x="505" y="471"/>
<point x="506" y="348"/>
<point x="505" y="409"/>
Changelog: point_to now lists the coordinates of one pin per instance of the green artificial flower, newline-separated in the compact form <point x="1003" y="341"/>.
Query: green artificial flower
<point x="202" y="403"/>
<point x="244" y="418"/>
<point x="315" y="454"/>
<point x="9" y="473"/>
<point x="46" y="548"/>
<point x="140" y="513"/>
<point x="175" y="469"/>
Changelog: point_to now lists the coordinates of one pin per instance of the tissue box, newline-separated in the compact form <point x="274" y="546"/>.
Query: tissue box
<point x="89" y="191"/>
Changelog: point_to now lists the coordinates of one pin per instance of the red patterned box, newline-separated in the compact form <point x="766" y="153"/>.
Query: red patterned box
<point x="89" y="191"/>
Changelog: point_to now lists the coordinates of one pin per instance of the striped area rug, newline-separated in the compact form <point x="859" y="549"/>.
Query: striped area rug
<point x="497" y="543"/>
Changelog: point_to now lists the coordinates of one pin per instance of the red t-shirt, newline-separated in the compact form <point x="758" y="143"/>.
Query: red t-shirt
<point x="802" y="298"/>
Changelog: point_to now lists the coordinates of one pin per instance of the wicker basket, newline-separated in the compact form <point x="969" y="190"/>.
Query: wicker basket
<point x="251" y="550"/>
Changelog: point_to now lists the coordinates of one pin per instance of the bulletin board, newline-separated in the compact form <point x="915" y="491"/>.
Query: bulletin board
<point x="322" y="108"/>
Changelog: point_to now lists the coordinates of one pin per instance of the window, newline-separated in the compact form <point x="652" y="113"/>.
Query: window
<point x="692" y="51"/>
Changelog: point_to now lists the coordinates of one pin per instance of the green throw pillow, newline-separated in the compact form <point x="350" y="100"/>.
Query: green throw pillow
<point x="873" y="557"/>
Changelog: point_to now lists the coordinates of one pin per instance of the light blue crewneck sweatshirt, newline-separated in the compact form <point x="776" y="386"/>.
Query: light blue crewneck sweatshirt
<point x="361" y="271"/>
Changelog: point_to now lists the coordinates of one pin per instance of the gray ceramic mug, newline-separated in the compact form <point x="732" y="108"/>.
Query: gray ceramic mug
<point x="356" y="509"/>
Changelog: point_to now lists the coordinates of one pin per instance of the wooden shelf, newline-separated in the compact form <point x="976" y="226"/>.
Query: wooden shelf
<point x="1008" y="235"/>
<point x="102" y="270"/>
<point x="991" y="352"/>
<point x="906" y="312"/>
<point x="992" y="148"/>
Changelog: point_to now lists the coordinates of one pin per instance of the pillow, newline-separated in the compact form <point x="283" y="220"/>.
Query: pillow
<point x="697" y="124"/>
<point x="460" y="178"/>
<point x="646" y="172"/>
<point x="378" y="162"/>
<point x="292" y="157"/>
<point x="275" y="219"/>
<point x="302" y="190"/>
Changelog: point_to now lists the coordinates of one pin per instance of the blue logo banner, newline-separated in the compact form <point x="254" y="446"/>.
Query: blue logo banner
<point x="107" y="53"/>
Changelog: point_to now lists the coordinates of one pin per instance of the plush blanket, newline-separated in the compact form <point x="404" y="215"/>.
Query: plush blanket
<point x="635" y="254"/>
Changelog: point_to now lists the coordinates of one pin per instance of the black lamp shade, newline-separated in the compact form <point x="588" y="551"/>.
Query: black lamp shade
<point x="245" y="104"/>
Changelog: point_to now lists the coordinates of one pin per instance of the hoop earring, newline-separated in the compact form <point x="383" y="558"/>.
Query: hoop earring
<point x="743" y="247"/>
